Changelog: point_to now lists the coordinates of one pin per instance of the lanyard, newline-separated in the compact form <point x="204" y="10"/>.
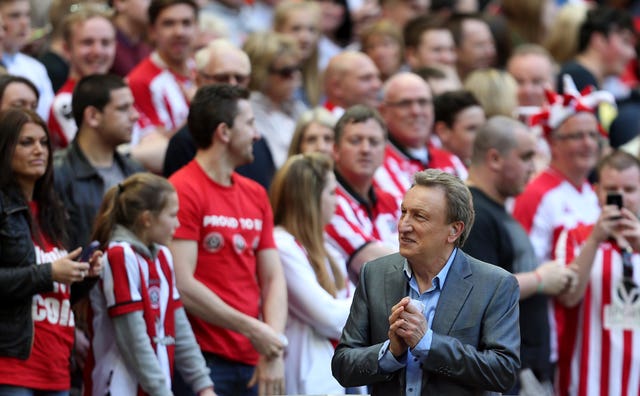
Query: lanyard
<point x="627" y="270"/>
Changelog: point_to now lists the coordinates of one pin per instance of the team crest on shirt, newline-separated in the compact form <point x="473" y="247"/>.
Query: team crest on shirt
<point x="239" y="243"/>
<point x="213" y="242"/>
<point x="154" y="296"/>
<point x="624" y="311"/>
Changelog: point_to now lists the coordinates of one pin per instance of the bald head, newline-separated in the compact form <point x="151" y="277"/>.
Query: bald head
<point x="222" y="62"/>
<point x="502" y="161"/>
<point x="352" y="78"/>
<point x="400" y="81"/>
<point x="498" y="133"/>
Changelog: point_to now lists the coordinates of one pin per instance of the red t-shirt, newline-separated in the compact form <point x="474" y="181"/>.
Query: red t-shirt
<point x="48" y="366"/>
<point x="231" y="225"/>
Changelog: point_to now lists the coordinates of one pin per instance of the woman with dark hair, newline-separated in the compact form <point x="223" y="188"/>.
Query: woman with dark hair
<point x="36" y="271"/>
<point x="18" y="93"/>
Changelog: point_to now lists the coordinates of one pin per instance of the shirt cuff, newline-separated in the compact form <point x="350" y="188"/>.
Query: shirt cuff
<point x="387" y="362"/>
<point x="422" y="348"/>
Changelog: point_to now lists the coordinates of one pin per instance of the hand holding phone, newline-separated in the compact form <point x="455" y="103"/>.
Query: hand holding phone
<point x="87" y="252"/>
<point x="615" y="199"/>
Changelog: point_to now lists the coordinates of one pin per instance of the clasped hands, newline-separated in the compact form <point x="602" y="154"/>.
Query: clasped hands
<point x="407" y="326"/>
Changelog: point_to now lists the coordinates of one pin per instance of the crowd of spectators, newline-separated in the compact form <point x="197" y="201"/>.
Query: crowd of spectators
<point x="290" y="132"/>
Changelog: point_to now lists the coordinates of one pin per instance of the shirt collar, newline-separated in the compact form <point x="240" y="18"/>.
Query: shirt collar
<point x="440" y="278"/>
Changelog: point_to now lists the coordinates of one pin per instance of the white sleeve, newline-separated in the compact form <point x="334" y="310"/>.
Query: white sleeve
<point x="307" y="299"/>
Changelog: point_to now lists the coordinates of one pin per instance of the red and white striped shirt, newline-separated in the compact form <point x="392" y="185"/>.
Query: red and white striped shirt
<point x="159" y="96"/>
<point x="550" y="203"/>
<point x="599" y="339"/>
<point x="62" y="126"/>
<point x="395" y="176"/>
<point x="131" y="282"/>
<point x="356" y="223"/>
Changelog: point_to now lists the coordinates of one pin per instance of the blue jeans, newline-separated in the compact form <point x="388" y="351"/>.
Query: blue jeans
<point x="229" y="378"/>
<point x="8" y="390"/>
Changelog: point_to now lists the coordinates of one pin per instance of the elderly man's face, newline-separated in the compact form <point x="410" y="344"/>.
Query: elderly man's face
<point x="232" y="67"/>
<point x="408" y="111"/>
<point x="424" y="230"/>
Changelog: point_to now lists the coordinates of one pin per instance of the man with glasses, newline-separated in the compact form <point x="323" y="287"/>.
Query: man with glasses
<point x="561" y="197"/>
<point x="407" y="109"/>
<point x="219" y="62"/>
<point x="599" y="352"/>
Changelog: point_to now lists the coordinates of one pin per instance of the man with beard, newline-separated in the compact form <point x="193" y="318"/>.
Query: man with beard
<point x="227" y="266"/>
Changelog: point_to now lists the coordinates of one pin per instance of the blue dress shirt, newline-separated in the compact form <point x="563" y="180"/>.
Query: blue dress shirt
<point x="414" y="358"/>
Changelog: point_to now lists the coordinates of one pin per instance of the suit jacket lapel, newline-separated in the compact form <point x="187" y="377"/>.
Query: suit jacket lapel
<point x="455" y="292"/>
<point x="395" y="283"/>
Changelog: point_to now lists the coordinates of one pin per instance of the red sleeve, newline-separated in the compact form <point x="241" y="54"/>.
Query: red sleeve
<point x="117" y="288"/>
<point x="143" y="100"/>
<point x="189" y="213"/>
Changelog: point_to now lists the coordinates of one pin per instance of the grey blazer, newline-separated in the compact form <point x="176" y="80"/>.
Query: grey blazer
<point x="476" y="337"/>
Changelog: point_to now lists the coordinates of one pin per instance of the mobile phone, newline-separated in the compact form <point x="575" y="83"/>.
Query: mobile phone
<point x="615" y="199"/>
<point x="87" y="252"/>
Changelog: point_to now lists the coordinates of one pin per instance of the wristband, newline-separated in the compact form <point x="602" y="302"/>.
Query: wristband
<point x="540" y="286"/>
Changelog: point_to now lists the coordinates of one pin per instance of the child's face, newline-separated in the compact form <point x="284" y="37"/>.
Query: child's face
<point x="165" y="223"/>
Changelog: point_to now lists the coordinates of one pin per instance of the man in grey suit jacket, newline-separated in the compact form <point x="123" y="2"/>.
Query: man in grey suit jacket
<point x="432" y="320"/>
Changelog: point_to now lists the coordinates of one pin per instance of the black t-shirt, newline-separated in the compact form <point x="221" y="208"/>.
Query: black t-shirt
<point x="497" y="238"/>
<point x="581" y="76"/>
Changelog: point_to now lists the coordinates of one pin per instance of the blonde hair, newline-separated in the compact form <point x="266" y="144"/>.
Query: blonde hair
<point x="525" y="18"/>
<point x="496" y="90"/>
<point x="320" y="116"/>
<point x="263" y="49"/>
<point x="295" y="196"/>
<point x="562" y="39"/>
<point x="310" y="70"/>
<point x="84" y="12"/>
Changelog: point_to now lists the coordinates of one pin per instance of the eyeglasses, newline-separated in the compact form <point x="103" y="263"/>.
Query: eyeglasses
<point x="593" y="135"/>
<point x="225" y="78"/>
<point x="285" y="72"/>
<point x="408" y="103"/>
